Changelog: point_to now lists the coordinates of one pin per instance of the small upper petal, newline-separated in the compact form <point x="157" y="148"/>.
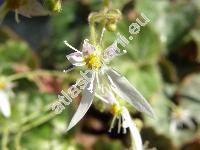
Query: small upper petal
<point x="88" y="48"/>
<point x="4" y="104"/>
<point x="126" y="91"/>
<point x="76" y="58"/>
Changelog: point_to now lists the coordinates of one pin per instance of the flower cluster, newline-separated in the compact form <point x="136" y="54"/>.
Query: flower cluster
<point x="107" y="84"/>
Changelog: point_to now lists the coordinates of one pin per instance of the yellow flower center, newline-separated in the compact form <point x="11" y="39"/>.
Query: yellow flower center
<point x="93" y="61"/>
<point x="2" y="85"/>
<point x="178" y="113"/>
<point x="115" y="109"/>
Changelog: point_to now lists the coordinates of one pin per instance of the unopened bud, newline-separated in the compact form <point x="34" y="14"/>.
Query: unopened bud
<point x="111" y="27"/>
<point x="138" y="123"/>
<point x="53" y="5"/>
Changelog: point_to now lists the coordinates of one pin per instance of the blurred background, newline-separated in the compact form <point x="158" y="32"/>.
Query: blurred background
<point x="163" y="62"/>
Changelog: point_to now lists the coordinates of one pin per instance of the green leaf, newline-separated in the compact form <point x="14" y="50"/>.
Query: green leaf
<point x="107" y="145"/>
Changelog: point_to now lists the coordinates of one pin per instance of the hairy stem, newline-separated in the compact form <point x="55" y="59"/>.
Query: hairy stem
<point x="38" y="122"/>
<point x="31" y="117"/>
<point x="37" y="73"/>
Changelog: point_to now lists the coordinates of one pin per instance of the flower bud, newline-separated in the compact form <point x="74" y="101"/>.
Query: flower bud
<point x="53" y="5"/>
<point x="111" y="26"/>
<point x="112" y="18"/>
<point x="138" y="123"/>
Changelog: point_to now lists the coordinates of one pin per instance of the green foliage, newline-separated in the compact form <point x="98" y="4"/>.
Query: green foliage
<point x="107" y="145"/>
<point x="162" y="62"/>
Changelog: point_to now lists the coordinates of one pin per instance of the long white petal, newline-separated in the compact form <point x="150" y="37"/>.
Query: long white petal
<point x="4" y="104"/>
<point x="76" y="59"/>
<point x="126" y="91"/>
<point x="133" y="129"/>
<point x="85" y="103"/>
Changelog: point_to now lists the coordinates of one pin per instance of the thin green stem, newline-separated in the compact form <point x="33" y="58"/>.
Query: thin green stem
<point x="30" y="74"/>
<point x="33" y="116"/>
<point x="30" y="119"/>
<point x="38" y="122"/>
<point x="17" y="141"/>
<point x="92" y="33"/>
<point x="106" y="3"/>
<point x="29" y="126"/>
<point x="102" y="26"/>
<point x="5" y="138"/>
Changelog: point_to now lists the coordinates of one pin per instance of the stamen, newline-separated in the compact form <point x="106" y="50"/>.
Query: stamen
<point x="119" y="125"/>
<point x="90" y="88"/>
<point x="101" y="98"/>
<point x="98" y="83"/>
<point x="69" y="69"/>
<point x="102" y="85"/>
<point x="102" y="89"/>
<point x="112" y="123"/>
<point x="124" y="128"/>
<point x="66" y="43"/>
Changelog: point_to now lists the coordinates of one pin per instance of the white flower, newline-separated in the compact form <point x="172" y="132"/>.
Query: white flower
<point x="135" y="134"/>
<point x="106" y="78"/>
<point x="4" y="99"/>
<point x="124" y="120"/>
<point x="179" y="118"/>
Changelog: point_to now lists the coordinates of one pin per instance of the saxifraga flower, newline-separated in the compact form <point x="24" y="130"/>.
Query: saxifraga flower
<point x="103" y="77"/>
<point x="123" y="116"/>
